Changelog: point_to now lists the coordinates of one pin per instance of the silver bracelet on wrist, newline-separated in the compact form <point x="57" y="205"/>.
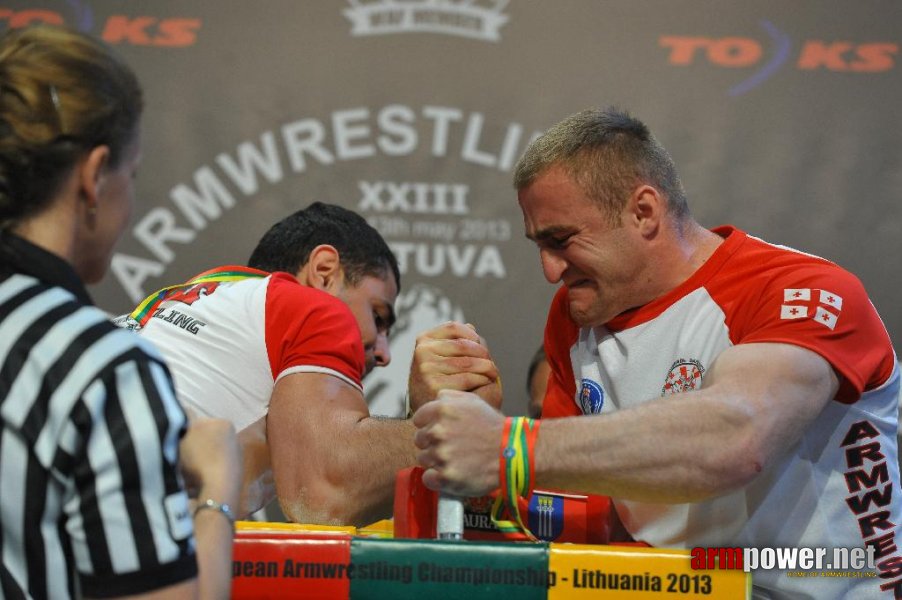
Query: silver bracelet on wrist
<point x="220" y="507"/>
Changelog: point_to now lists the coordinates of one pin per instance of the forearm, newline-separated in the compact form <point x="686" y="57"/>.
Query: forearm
<point x="756" y="401"/>
<point x="674" y="450"/>
<point x="351" y="482"/>
<point x="213" y="536"/>
<point x="213" y="533"/>
<point x="211" y="458"/>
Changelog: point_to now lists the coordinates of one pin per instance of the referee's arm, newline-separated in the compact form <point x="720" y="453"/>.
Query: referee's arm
<point x="132" y="531"/>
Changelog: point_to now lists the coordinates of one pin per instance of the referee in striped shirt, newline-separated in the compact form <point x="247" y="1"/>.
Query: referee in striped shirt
<point x="92" y="499"/>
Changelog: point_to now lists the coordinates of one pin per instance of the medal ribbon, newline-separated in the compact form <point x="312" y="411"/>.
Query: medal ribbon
<point x="148" y="306"/>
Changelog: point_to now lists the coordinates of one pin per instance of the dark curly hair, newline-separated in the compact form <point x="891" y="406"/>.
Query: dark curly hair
<point x="288" y="244"/>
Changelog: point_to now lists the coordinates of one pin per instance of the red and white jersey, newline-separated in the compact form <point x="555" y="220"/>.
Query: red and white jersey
<point x="227" y="343"/>
<point x="837" y="487"/>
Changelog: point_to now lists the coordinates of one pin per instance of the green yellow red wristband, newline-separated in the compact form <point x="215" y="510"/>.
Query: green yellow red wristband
<point x="516" y="475"/>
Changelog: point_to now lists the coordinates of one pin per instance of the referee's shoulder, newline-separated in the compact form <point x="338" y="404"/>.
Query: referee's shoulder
<point x="133" y="345"/>
<point x="40" y="307"/>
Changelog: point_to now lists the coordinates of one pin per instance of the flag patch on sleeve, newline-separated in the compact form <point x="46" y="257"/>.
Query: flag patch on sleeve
<point x="823" y="306"/>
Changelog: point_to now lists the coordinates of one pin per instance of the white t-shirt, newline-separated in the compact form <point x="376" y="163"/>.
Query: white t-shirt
<point x="837" y="487"/>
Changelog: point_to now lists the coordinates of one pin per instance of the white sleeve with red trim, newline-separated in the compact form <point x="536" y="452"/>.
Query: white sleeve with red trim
<point x="310" y="331"/>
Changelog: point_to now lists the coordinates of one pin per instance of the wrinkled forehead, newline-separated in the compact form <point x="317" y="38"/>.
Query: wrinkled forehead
<point x="551" y="202"/>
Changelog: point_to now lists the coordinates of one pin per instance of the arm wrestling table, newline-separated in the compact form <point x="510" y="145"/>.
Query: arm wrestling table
<point x="401" y="558"/>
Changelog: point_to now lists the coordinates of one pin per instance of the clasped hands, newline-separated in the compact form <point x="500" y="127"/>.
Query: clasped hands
<point x="455" y="391"/>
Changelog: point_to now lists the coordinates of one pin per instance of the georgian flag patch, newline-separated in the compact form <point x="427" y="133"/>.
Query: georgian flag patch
<point x="823" y="306"/>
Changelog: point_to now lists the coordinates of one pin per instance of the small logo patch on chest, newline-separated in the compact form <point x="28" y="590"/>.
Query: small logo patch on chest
<point x="685" y="375"/>
<point x="591" y="397"/>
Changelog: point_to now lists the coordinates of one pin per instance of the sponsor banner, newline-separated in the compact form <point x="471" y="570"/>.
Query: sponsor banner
<point x="394" y="569"/>
<point x="580" y="571"/>
<point x="291" y="564"/>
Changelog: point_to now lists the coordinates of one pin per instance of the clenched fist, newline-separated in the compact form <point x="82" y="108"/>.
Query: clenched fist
<point x="452" y="356"/>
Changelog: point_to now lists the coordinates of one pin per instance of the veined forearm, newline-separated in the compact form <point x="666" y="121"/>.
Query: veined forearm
<point x="756" y="401"/>
<point x="354" y="483"/>
<point x="674" y="450"/>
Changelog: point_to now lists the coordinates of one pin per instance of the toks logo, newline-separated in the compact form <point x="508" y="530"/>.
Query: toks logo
<point x="743" y="52"/>
<point x="171" y="32"/>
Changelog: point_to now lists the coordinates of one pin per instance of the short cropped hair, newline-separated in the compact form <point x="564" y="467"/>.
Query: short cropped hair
<point x="607" y="153"/>
<point x="362" y="250"/>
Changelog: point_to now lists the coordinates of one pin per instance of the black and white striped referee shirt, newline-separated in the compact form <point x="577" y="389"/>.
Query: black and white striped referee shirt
<point x="90" y="497"/>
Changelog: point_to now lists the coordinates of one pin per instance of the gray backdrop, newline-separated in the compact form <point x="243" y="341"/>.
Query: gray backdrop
<point x="782" y="116"/>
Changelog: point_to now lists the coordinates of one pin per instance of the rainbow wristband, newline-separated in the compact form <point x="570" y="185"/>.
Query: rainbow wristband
<point x="516" y="474"/>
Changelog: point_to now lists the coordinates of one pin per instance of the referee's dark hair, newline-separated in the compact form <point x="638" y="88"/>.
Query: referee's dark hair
<point x="362" y="250"/>
<point x="61" y="94"/>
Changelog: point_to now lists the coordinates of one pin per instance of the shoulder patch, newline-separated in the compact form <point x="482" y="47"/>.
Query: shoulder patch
<point x="800" y="303"/>
<point x="180" y="523"/>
